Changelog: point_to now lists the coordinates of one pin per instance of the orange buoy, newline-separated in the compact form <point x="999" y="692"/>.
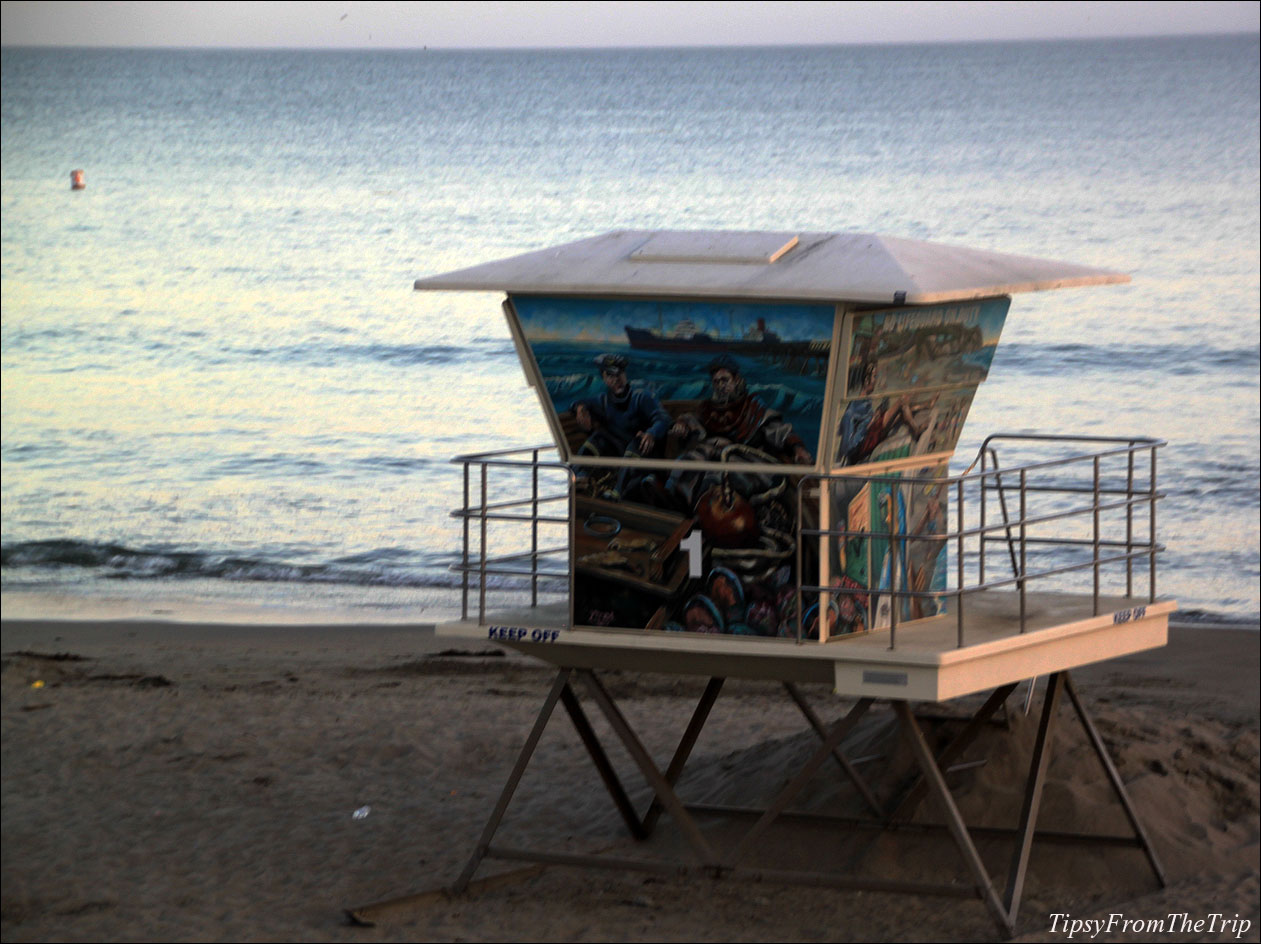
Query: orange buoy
<point x="76" y="180"/>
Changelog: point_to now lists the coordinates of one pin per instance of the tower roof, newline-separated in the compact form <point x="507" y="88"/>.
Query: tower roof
<point x="839" y="267"/>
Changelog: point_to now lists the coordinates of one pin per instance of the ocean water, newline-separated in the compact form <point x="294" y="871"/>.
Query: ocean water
<point x="219" y="385"/>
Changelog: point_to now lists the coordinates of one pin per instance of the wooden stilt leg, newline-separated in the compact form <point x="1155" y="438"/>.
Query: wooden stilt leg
<point x="798" y="783"/>
<point x="954" y="822"/>
<point x="954" y="749"/>
<point x="602" y="764"/>
<point x="681" y="753"/>
<point x="664" y="790"/>
<point x="514" y="778"/>
<point x="1033" y="796"/>
<point x="1114" y="778"/>
<point x="817" y="724"/>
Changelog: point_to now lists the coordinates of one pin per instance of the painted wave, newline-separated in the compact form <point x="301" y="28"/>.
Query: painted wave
<point x="780" y="397"/>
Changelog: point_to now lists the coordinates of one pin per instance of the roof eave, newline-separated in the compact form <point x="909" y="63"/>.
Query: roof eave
<point x="1014" y="288"/>
<point x="910" y="297"/>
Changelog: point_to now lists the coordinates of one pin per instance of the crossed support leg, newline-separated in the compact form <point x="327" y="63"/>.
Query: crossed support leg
<point x="931" y="784"/>
<point x="842" y="761"/>
<point x="664" y="799"/>
<point x="1006" y="910"/>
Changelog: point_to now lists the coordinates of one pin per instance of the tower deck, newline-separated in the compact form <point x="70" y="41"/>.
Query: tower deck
<point x="927" y="664"/>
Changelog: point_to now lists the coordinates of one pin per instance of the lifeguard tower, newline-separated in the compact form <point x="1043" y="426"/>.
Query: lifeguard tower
<point x="751" y="476"/>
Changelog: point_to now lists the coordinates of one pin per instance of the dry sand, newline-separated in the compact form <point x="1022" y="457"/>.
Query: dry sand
<point x="198" y="782"/>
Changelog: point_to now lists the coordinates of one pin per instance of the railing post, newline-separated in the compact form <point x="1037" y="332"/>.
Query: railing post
<point x="824" y="579"/>
<point x="1094" y="541"/>
<point x="800" y="615"/>
<point x="464" y="562"/>
<point x="890" y="526"/>
<point x="571" y="531"/>
<point x="980" y="575"/>
<point x="1002" y="504"/>
<point x="1024" y="534"/>
<point x="1151" y="530"/>
<point x="534" y="529"/>
<point x="1129" y="523"/>
<point x="481" y="590"/>
<point x="959" y="517"/>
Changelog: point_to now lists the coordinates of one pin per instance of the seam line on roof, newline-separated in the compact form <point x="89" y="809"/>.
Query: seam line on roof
<point x="913" y="288"/>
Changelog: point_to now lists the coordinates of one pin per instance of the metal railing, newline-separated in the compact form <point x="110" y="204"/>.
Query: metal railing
<point x="1012" y="508"/>
<point x="1060" y="498"/>
<point x="520" y="562"/>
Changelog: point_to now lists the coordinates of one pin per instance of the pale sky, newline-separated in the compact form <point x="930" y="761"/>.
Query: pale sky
<point x="349" y="25"/>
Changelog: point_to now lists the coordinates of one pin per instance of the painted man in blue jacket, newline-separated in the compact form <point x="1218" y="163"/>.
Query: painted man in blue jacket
<point x="621" y="421"/>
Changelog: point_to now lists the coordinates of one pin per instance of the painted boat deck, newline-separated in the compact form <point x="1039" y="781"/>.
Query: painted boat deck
<point x="927" y="664"/>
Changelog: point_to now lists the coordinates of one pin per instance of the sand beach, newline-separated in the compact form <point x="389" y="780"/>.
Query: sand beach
<point x="201" y="780"/>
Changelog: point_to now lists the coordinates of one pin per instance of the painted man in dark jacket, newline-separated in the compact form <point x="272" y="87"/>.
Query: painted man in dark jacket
<point x="621" y="421"/>
<point x="732" y="415"/>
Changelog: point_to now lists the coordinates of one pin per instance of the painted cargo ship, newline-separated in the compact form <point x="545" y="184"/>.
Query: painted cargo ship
<point x="685" y="336"/>
<point x="758" y="341"/>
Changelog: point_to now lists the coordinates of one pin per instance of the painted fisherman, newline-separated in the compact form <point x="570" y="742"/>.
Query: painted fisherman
<point x="733" y="415"/>
<point x="622" y="421"/>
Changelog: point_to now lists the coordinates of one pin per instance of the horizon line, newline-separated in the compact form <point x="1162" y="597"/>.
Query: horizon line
<point x="625" y="48"/>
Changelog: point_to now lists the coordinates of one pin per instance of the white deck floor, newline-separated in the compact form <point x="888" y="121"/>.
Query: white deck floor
<point x="927" y="663"/>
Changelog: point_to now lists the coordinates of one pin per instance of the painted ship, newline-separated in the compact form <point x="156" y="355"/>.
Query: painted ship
<point x="685" y="336"/>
